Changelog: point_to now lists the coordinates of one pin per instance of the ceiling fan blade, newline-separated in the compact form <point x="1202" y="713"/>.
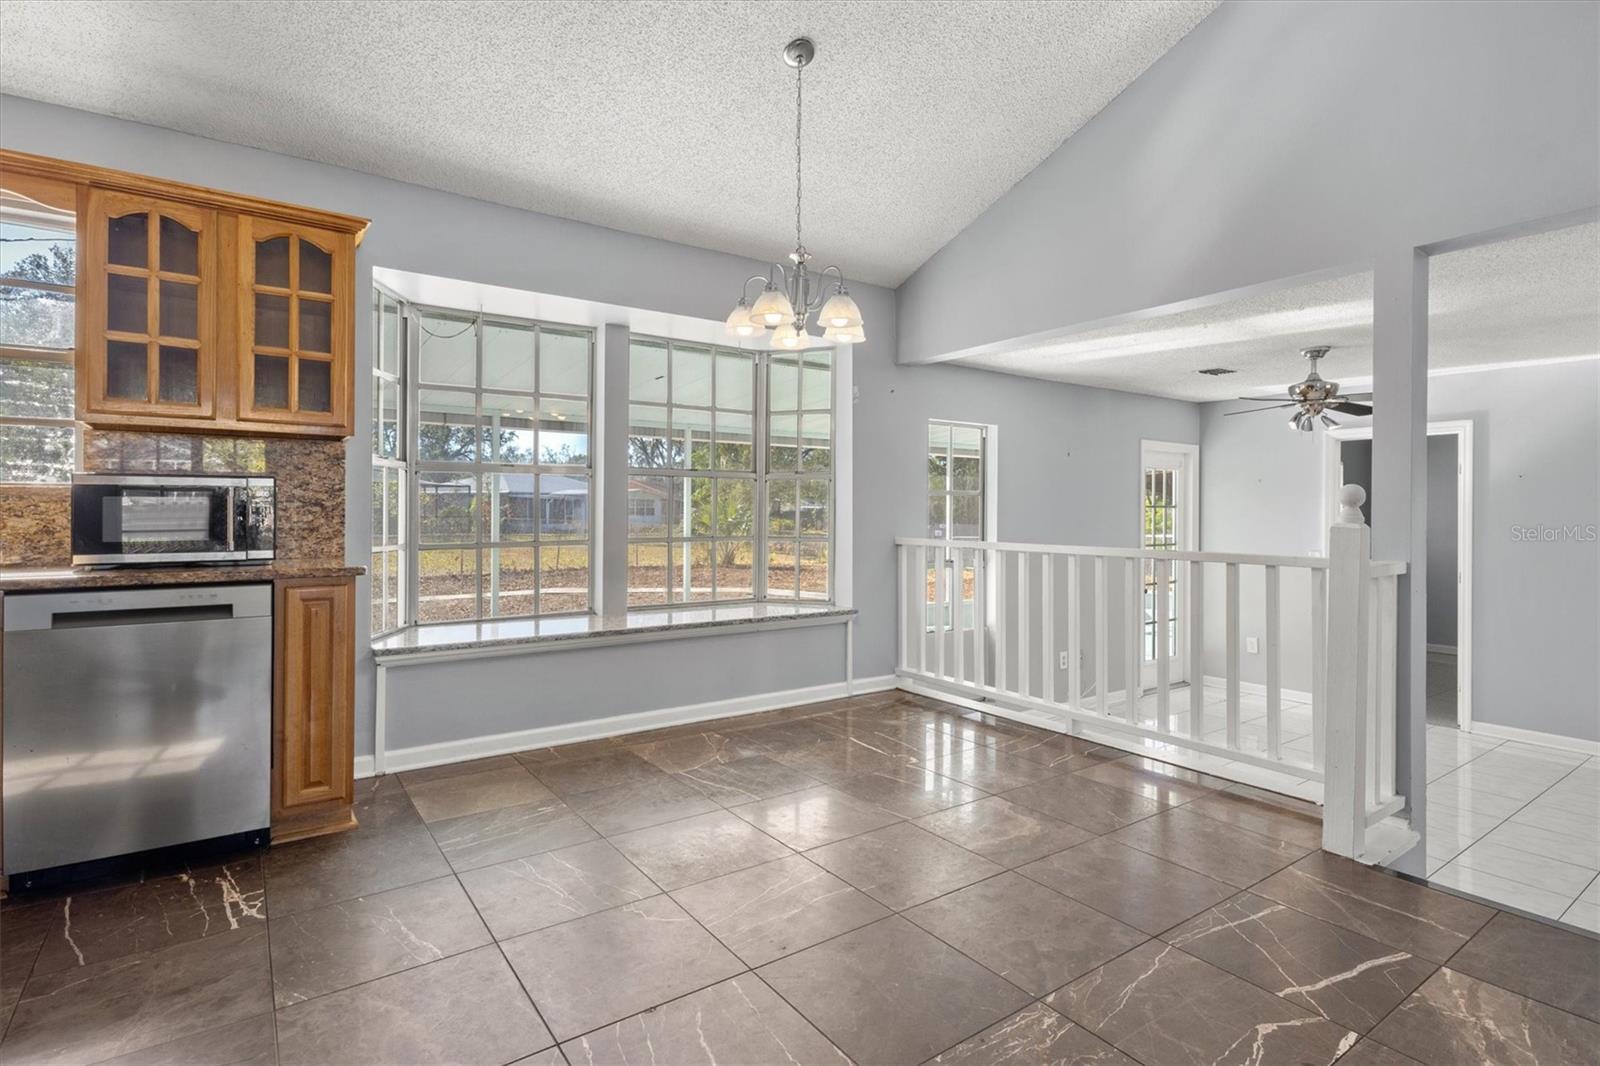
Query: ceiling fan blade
<point x="1358" y="396"/>
<point x="1254" y="410"/>
<point x="1263" y="399"/>
<point x="1345" y="407"/>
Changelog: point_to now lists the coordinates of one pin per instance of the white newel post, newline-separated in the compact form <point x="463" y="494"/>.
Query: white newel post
<point x="1344" y="812"/>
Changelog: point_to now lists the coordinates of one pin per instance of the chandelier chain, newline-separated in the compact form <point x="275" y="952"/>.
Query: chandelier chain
<point x="799" y="76"/>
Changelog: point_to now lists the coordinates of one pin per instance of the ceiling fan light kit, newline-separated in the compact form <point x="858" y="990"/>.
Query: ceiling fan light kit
<point x="1313" y="398"/>
<point x="789" y="297"/>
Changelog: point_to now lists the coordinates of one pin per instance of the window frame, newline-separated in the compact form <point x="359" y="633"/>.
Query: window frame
<point x="949" y="494"/>
<point x="760" y="472"/>
<point x="60" y="196"/>
<point x="485" y="550"/>
<point x="395" y="553"/>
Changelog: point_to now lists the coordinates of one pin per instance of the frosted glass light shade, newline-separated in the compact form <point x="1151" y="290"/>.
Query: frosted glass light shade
<point x="840" y="312"/>
<point x="739" y="322"/>
<point x="845" y="335"/>
<point x="772" y="308"/>
<point x="787" y="338"/>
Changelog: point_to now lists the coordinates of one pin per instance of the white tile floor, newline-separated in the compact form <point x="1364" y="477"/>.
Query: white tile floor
<point x="1515" y="823"/>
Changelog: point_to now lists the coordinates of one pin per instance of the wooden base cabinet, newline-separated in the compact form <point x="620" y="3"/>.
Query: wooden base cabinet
<point x="313" y="708"/>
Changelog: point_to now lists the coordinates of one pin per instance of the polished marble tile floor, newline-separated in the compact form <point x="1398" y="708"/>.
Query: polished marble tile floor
<point x="884" y="879"/>
<point x="1514" y="823"/>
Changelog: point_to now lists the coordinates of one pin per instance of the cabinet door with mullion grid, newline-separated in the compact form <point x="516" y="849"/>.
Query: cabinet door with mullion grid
<point x="148" y="279"/>
<point x="296" y="329"/>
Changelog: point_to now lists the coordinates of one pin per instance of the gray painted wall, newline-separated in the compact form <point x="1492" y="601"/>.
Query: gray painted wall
<point x="1062" y="450"/>
<point x="1443" y="529"/>
<point x="1536" y="602"/>
<point x="1275" y="140"/>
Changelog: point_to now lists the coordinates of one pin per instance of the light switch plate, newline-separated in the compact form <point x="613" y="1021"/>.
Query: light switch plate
<point x="1252" y="645"/>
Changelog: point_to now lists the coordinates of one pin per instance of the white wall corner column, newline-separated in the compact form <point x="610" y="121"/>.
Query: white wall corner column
<point x="1399" y="505"/>
<point x="611" y="473"/>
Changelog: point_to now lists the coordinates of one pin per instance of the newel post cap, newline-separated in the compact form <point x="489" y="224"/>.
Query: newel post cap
<point x="1351" y="497"/>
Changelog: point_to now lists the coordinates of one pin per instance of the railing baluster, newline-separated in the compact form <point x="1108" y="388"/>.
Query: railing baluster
<point x="939" y="626"/>
<point x="1074" y="633"/>
<point x="1024" y="623"/>
<point x="980" y="617"/>
<point x="1134" y="649"/>
<point x="1274" y="683"/>
<point x="1197" y="649"/>
<point x="920" y="595"/>
<point x="1102" y="668"/>
<point x="1047" y="627"/>
<point x="1002" y="620"/>
<point x="902" y="617"/>
<point x="1233" y="655"/>
<point x="1319" y="667"/>
<point x="1163" y="652"/>
<point x="1387" y="641"/>
<point x="1374" y="689"/>
<point x="957" y="622"/>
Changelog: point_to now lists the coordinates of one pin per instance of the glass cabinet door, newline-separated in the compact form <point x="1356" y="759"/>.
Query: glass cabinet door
<point x="149" y="280"/>
<point x="295" y="318"/>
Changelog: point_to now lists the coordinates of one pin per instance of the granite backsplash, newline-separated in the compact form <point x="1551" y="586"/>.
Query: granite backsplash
<point x="309" y="474"/>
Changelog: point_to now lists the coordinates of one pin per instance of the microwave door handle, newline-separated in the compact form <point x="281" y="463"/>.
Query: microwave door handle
<point x="233" y="517"/>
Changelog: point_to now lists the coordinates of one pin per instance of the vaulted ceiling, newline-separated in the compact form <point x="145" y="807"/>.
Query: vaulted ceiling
<point x="672" y="119"/>
<point x="1530" y="298"/>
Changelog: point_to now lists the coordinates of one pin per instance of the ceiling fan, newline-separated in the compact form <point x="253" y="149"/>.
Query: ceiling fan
<point x="1314" y="397"/>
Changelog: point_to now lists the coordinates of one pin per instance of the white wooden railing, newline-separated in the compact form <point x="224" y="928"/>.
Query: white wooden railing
<point x="1042" y="632"/>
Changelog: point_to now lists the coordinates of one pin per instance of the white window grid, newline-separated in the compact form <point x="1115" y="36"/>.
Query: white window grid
<point x="22" y="354"/>
<point x="488" y="545"/>
<point x="390" y="560"/>
<point x="765" y="482"/>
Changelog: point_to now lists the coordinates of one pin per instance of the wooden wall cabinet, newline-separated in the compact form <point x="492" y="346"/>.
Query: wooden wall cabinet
<point x="313" y="707"/>
<point x="206" y="311"/>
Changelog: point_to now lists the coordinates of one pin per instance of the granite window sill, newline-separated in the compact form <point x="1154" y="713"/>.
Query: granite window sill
<point x="450" y="640"/>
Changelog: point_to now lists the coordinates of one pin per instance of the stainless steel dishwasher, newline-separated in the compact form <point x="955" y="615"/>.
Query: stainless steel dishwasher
<point x="134" y="719"/>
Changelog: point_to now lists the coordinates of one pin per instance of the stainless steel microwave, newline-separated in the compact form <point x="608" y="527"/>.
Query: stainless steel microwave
<point x="155" y="520"/>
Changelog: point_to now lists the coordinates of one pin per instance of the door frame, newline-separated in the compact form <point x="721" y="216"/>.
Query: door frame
<point x="1189" y="533"/>
<point x="1462" y="430"/>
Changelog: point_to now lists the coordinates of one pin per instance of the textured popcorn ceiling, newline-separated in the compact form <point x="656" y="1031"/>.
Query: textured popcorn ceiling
<point x="1526" y="299"/>
<point x="669" y="119"/>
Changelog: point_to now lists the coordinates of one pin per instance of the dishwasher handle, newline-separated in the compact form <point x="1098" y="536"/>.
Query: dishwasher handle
<point x="109" y="607"/>
<point x="139" y="616"/>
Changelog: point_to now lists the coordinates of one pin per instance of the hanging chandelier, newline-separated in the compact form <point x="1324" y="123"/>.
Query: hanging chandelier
<point x="789" y="297"/>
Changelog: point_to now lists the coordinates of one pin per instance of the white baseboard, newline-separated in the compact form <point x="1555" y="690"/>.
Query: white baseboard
<point x="1533" y="736"/>
<point x="450" y="751"/>
<point x="1251" y="688"/>
<point x="1441" y="649"/>
<point x="864" y="686"/>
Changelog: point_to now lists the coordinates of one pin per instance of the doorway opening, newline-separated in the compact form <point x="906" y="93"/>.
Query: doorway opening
<point x="1449" y="538"/>
<point x="1168" y="521"/>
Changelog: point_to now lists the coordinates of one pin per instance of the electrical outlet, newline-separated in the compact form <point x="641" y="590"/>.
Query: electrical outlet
<point x="1065" y="662"/>
<point x="1252" y="645"/>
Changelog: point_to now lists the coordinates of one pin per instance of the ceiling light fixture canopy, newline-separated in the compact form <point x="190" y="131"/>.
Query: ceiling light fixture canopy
<point x="791" y="296"/>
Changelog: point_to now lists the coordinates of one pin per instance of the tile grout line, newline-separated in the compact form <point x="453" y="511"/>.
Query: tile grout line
<point x="1570" y="771"/>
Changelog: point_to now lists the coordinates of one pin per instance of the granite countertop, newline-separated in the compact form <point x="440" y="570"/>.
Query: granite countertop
<point x="67" y="577"/>
<point x="463" y="636"/>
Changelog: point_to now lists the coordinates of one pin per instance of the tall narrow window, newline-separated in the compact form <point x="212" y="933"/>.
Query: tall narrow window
<point x="957" y="456"/>
<point x="798" y="480"/>
<point x="730" y="489"/>
<point x="38" y="269"/>
<point x="503" y="467"/>
<point x="389" y="481"/>
<point x="956" y="474"/>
